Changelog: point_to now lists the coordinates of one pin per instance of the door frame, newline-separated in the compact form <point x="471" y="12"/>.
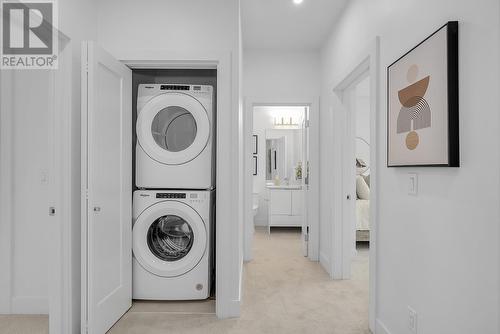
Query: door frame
<point x="313" y="211"/>
<point x="367" y="62"/>
<point x="62" y="268"/>
<point x="228" y="233"/>
<point x="229" y="270"/>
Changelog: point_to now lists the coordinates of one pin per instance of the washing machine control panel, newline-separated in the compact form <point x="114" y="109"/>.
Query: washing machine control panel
<point x="170" y="195"/>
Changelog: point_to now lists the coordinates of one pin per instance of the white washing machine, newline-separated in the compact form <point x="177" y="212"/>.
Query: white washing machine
<point x="172" y="244"/>
<point x="175" y="130"/>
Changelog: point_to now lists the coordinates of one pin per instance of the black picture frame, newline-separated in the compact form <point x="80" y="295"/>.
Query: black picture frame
<point x="452" y="97"/>
<point x="255" y="165"/>
<point x="256" y="144"/>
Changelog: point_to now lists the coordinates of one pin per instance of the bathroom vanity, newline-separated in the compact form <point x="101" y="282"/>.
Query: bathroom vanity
<point x="285" y="205"/>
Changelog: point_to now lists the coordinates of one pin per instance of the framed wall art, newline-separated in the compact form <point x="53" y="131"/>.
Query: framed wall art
<point x="255" y="144"/>
<point x="422" y="103"/>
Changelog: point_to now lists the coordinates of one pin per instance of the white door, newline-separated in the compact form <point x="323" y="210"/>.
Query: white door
<point x="107" y="189"/>
<point x="305" y="182"/>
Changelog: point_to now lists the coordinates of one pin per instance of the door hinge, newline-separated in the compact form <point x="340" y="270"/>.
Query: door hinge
<point x="306" y="236"/>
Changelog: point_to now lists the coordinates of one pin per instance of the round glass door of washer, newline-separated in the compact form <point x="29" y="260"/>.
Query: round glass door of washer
<point x="169" y="239"/>
<point x="173" y="128"/>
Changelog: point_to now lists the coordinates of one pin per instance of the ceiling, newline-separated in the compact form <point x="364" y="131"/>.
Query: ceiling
<point x="282" y="25"/>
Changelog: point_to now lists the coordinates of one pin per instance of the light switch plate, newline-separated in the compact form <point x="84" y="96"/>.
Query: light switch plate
<point x="412" y="184"/>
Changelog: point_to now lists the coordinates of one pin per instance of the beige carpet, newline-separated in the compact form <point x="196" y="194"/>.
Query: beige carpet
<point x="283" y="293"/>
<point x="24" y="324"/>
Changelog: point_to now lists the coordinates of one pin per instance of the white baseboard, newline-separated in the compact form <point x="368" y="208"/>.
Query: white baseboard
<point x="30" y="305"/>
<point x="232" y="308"/>
<point x="380" y="328"/>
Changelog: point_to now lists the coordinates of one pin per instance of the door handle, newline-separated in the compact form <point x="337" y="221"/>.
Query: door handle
<point x="97" y="208"/>
<point x="348" y="197"/>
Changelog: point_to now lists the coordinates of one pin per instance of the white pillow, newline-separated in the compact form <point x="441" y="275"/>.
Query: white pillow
<point x="362" y="189"/>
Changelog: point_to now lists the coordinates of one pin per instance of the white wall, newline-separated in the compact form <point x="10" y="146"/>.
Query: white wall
<point x="168" y="25"/>
<point x="274" y="74"/>
<point x="27" y="264"/>
<point x="28" y="187"/>
<point x="263" y="121"/>
<point x="184" y="27"/>
<point x="438" y="251"/>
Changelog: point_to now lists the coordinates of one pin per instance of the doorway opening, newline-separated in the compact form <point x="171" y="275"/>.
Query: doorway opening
<point x="280" y="160"/>
<point x="360" y="114"/>
<point x="355" y="202"/>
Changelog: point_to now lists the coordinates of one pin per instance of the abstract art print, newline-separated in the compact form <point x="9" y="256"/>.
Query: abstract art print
<point x="422" y="98"/>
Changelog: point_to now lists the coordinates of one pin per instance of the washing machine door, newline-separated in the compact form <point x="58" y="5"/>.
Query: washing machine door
<point x="173" y="128"/>
<point x="169" y="239"/>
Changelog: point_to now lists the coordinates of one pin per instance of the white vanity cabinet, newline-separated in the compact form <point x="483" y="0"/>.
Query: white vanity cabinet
<point x="285" y="206"/>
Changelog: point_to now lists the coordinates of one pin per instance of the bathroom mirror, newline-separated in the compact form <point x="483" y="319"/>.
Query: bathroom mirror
<point x="283" y="154"/>
<point x="275" y="158"/>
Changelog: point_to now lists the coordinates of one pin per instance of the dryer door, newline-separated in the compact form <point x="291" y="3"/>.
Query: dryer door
<point x="173" y="128"/>
<point x="169" y="239"/>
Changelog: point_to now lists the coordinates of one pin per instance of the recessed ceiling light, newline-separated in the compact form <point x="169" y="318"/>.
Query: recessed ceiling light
<point x="297" y="2"/>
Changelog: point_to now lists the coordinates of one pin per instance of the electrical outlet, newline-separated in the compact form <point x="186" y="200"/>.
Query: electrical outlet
<point x="412" y="320"/>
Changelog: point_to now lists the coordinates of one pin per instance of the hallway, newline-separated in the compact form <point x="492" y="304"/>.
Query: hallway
<point x="283" y="293"/>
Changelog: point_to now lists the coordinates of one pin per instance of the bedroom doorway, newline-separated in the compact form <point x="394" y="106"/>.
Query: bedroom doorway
<point x="356" y="168"/>
<point x="354" y="233"/>
<point x="361" y="117"/>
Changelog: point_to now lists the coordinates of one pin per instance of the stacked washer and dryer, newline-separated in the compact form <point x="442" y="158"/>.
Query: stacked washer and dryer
<point x="174" y="206"/>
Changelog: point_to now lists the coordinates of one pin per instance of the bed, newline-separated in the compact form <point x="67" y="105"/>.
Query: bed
<point x="363" y="208"/>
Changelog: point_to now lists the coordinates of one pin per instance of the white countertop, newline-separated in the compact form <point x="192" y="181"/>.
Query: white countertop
<point x="285" y="187"/>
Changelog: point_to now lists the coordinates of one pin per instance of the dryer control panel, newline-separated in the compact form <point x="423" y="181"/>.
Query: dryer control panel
<point x="170" y="195"/>
<point x="174" y="87"/>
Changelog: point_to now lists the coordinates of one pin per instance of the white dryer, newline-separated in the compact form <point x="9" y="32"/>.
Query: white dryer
<point x="175" y="132"/>
<point x="172" y="244"/>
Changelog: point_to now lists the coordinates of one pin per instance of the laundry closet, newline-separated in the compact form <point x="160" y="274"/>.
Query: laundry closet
<point x="173" y="127"/>
<point x="149" y="173"/>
